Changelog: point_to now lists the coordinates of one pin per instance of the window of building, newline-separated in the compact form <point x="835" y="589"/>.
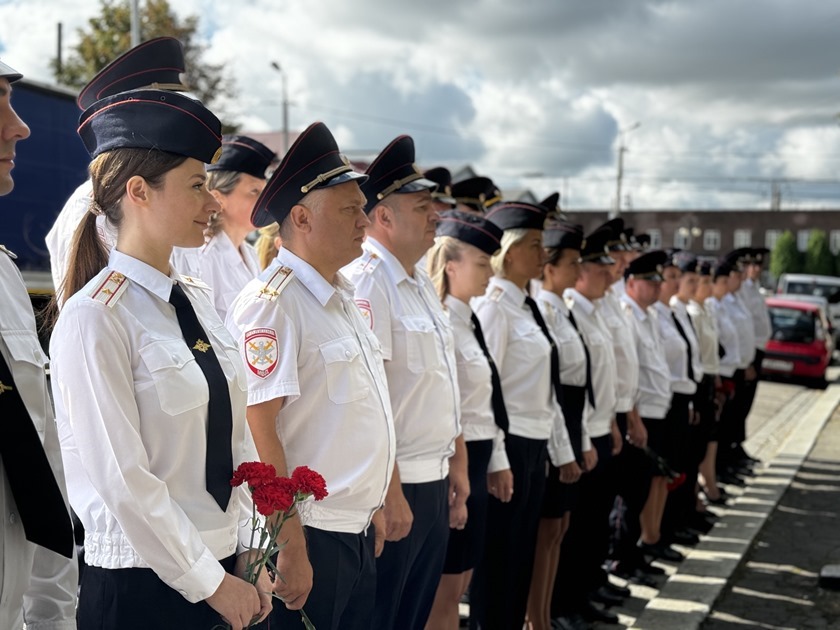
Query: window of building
<point x="802" y="237"/>
<point x="681" y="239"/>
<point x="711" y="240"/>
<point x="655" y="238"/>
<point x="742" y="238"/>
<point x="834" y="241"/>
<point x="770" y="238"/>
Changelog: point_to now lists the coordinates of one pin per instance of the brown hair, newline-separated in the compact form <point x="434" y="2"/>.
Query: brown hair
<point x="109" y="174"/>
<point x="224" y="182"/>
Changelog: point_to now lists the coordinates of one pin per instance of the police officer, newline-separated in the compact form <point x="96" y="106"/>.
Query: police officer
<point x="156" y="63"/>
<point x="40" y="573"/>
<point x="149" y="388"/>
<point x="227" y="262"/>
<point x="317" y="390"/>
<point x="405" y="314"/>
<point x="476" y="194"/>
<point x="442" y="195"/>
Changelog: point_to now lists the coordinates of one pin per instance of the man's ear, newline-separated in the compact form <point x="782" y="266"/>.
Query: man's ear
<point x="301" y="218"/>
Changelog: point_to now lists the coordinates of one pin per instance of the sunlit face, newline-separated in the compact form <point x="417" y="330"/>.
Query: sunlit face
<point x="594" y="280"/>
<point x="704" y="288"/>
<point x="415" y="220"/>
<point x="734" y="281"/>
<point x="238" y="204"/>
<point x="182" y="205"/>
<point x="469" y="275"/>
<point x="339" y="222"/>
<point x="670" y="283"/>
<point x="12" y="129"/>
<point x="564" y="272"/>
<point x="688" y="286"/>
<point x="524" y="260"/>
<point x="645" y="292"/>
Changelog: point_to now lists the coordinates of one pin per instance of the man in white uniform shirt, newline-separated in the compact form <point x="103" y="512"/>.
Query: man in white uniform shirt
<point x="402" y="309"/>
<point x="318" y="396"/>
<point x="37" y="564"/>
<point x="156" y="63"/>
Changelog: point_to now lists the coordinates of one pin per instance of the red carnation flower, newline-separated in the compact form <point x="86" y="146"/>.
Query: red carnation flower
<point x="255" y="474"/>
<point x="273" y="496"/>
<point x="307" y="481"/>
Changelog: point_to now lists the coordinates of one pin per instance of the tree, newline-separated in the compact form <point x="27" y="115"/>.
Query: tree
<point x="785" y="257"/>
<point x="108" y="35"/>
<point x="818" y="257"/>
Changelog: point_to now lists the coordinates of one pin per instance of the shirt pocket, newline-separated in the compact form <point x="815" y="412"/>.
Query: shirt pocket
<point x="420" y="344"/>
<point x="28" y="370"/>
<point x="346" y="370"/>
<point x="179" y="382"/>
<point x="474" y="366"/>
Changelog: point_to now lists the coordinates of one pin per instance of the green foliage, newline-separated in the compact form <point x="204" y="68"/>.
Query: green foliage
<point x="818" y="257"/>
<point x="108" y="35"/>
<point x="785" y="257"/>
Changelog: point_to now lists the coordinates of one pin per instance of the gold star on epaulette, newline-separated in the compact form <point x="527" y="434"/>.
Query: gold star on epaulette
<point x="201" y="346"/>
<point x="5" y="388"/>
<point x="268" y="291"/>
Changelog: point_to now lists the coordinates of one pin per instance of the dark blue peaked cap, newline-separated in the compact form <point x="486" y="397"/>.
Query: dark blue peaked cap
<point x="551" y="203"/>
<point x="512" y="215"/>
<point x="618" y="240"/>
<point x="594" y="248"/>
<point x="472" y="229"/>
<point x="648" y="266"/>
<point x="156" y="64"/>
<point x="152" y="119"/>
<point x="312" y="162"/>
<point x="443" y="178"/>
<point x="243" y="155"/>
<point x="11" y="75"/>
<point x="562" y="235"/>
<point x="394" y="172"/>
<point x="479" y="193"/>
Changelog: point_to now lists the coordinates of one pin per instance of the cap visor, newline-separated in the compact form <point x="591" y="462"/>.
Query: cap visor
<point x="9" y="73"/>
<point x="416" y="186"/>
<point x="343" y="178"/>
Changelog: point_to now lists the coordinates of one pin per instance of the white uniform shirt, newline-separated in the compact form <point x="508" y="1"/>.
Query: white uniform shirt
<point x="707" y="336"/>
<point x="35" y="583"/>
<point x="654" y="395"/>
<point x="523" y="358"/>
<point x="222" y="266"/>
<point x="754" y="301"/>
<point x="680" y="310"/>
<point x="744" y="327"/>
<point x="676" y="350"/>
<point x="604" y="376"/>
<point x="304" y="339"/>
<point x="727" y="336"/>
<point x="417" y="345"/>
<point x="475" y="385"/>
<point x="624" y="350"/>
<point x="60" y="237"/>
<point x="132" y="408"/>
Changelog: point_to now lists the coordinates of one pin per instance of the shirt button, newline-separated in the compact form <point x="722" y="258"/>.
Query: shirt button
<point x="348" y="354"/>
<point x="231" y="547"/>
<point x="232" y="531"/>
<point x="38" y="355"/>
<point x="12" y="518"/>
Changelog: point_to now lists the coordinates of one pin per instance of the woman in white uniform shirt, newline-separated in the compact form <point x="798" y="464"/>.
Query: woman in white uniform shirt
<point x="526" y="357"/>
<point x="459" y="266"/>
<point x="227" y="262"/>
<point x="149" y="386"/>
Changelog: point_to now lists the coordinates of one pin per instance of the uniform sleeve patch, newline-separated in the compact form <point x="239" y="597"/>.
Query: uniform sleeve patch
<point x="261" y="351"/>
<point x="367" y="311"/>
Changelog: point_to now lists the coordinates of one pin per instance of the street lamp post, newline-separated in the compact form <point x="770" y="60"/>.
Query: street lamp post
<point x="135" y="23"/>
<point x="620" y="168"/>
<point x="282" y="72"/>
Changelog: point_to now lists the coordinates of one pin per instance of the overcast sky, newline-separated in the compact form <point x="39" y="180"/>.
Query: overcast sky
<point x="730" y="94"/>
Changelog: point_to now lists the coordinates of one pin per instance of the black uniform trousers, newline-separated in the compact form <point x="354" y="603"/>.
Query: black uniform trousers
<point x="730" y="420"/>
<point x="681" y="458"/>
<point x="586" y="543"/>
<point x="750" y="388"/>
<point x="499" y="590"/>
<point x="408" y="571"/>
<point x="343" y="582"/>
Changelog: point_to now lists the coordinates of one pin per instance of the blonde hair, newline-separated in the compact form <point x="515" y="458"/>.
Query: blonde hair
<point x="266" y="251"/>
<point x="224" y="182"/>
<point x="446" y="248"/>
<point x="509" y="239"/>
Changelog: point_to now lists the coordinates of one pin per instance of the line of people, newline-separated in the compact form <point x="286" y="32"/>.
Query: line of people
<point x="499" y="403"/>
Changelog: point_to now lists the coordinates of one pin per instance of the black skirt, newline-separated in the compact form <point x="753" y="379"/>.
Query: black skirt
<point x="560" y="498"/>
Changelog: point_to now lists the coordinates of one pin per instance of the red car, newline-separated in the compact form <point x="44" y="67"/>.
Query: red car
<point x="799" y="345"/>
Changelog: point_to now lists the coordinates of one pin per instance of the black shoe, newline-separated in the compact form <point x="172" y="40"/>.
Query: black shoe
<point x="593" y="612"/>
<point x="615" y="589"/>
<point x="661" y="551"/>
<point x="683" y="537"/>
<point x="605" y="597"/>
<point x="648" y="569"/>
<point x="731" y="479"/>
<point x="700" y="523"/>
<point x="570" y="622"/>
<point x="642" y="579"/>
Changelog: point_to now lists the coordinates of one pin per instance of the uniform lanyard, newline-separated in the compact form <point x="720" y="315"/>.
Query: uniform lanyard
<point x="219" y="458"/>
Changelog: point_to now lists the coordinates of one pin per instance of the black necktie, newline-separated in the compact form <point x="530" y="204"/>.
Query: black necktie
<point x="219" y="465"/>
<point x="681" y="330"/>
<point x="43" y="512"/>
<point x="590" y="392"/>
<point x="555" y="356"/>
<point x="498" y="400"/>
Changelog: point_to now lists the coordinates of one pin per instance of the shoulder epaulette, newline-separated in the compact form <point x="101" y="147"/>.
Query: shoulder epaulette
<point x="370" y="261"/>
<point x="108" y="291"/>
<point x="278" y="281"/>
<point x="195" y="282"/>
<point x="496" y="294"/>
<point x="8" y="252"/>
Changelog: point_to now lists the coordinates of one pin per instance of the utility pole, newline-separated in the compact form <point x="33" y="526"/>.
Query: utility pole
<point x="135" y="23"/>
<point x="775" y="195"/>
<point x="282" y="72"/>
<point x="620" y="168"/>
